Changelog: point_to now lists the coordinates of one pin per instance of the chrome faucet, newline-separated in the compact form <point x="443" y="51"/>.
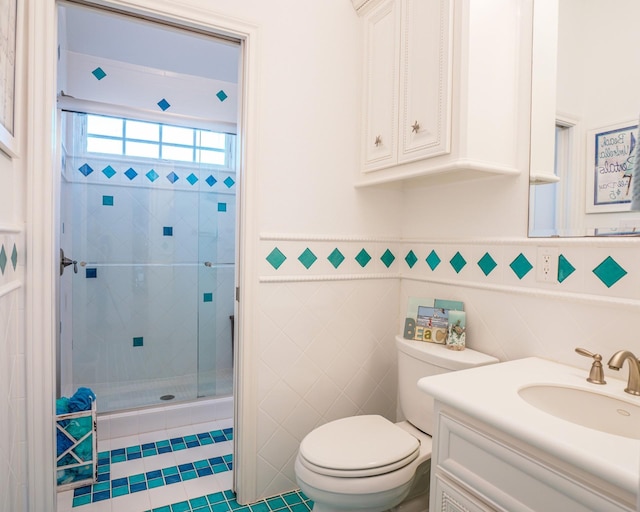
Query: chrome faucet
<point x="616" y="362"/>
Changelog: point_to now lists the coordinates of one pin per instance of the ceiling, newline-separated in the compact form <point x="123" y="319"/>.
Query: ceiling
<point x="145" y="43"/>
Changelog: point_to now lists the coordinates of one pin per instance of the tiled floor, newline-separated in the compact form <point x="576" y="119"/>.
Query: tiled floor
<point x="189" y="469"/>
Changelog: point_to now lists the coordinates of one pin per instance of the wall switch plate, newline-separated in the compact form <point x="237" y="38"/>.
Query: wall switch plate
<point x="547" y="265"/>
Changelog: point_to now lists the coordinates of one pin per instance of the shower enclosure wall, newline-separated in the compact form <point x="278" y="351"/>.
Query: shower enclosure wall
<point x="149" y="314"/>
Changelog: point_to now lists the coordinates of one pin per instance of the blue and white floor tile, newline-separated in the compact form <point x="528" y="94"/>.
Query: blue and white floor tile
<point x="189" y="469"/>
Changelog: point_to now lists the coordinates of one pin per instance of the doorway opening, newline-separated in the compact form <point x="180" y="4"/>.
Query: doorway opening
<point x="148" y="193"/>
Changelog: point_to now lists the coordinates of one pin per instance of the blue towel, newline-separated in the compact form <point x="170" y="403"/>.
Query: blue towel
<point x="81" y="400"/>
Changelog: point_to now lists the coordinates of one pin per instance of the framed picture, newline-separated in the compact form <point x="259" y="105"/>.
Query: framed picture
<point x="8" y="75"/>
<point x="610" y="155"/>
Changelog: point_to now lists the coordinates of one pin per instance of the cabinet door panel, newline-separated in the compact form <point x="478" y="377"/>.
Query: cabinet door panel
<point x="450" y="498"/>
<point x="425" y="69"/>
<point x="382" y="28"/>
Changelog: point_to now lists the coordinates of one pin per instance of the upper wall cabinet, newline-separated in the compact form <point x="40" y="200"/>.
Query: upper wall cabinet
<point x="441" y="95"/>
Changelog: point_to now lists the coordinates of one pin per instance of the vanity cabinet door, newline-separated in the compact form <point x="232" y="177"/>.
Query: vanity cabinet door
<point x="380" y="117"/>
<point x="425" y="75"/>
<point x="450" y="498"/>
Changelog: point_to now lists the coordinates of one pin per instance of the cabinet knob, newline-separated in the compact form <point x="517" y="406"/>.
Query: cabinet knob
<point x="415" y="127"/>
<point x="378" y="140"/>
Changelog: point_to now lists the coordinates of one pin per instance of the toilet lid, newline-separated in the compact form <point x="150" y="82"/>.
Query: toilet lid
<point x="358" y="446"/>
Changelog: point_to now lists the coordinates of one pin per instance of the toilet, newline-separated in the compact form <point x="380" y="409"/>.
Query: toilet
<point x="370" y="464"/>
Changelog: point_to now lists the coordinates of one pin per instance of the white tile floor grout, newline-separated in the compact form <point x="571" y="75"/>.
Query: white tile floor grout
<point x="167" y="494"/>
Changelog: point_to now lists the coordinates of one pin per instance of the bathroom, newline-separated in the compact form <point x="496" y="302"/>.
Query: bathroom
<point x="312" y="348"/>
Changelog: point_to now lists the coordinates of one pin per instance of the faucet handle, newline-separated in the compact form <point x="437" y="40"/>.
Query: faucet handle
<point x="596" y="375"/>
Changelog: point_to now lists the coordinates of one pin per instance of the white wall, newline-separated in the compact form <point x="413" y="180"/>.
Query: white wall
<point x="13" y="420"/>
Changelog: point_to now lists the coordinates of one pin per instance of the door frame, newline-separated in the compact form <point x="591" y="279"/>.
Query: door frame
<point x="42" y="229"/>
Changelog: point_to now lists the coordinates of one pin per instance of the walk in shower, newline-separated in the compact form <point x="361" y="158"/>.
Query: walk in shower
<point x="147" y="215"/>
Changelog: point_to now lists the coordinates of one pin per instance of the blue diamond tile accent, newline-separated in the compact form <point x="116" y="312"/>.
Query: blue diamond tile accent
<point x="222" y="207"/>
<point x="521" y="266"/>
<point x="3" y="260"/>
<point x="130" y="173"/>
<point x="565" y="268"/>
<point x="85" y="169"/>
<point x="457" y="262"/>
<point x="99" y="73"/>
<point x="172" y="177"/>
<point x="335" y="258"/>
<point x="152" y="175"/>
<point x="609" y="272"/>
<point x="433" y="260"/>
<point x="14" y="257"/>
<point x="167" y="231"/>
<point x="164" y="104"/>
<point x="307" y="258"/>
<point x="107" y="200"/>
<point x="487" y="264"/>
<point x="138" y="341"/>
<point x="91" y="273"/>
<point x="228" y="181"/>
<point x="221" y="95"/>
<point x="207" y="297"/>
<point x="109" y="171"/>
<point x="276" y="258"/>
<point x="192" y="179"/>
<point x="411" y="259"/>
<point x="387" y="258"/>
<point x="211" y="181"/>
<point x="363" y="258"/>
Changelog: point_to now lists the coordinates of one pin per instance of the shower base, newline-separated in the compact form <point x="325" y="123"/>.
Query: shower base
<point x="121" y="396"/>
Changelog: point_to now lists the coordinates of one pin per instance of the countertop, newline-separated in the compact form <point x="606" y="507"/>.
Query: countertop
<point x="490" y="394"/>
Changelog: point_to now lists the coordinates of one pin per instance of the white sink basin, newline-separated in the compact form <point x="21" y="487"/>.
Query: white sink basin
<point x="591" y="410"/>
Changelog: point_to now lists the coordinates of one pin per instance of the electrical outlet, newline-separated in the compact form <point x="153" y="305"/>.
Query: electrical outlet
<point x="547" y="267"/>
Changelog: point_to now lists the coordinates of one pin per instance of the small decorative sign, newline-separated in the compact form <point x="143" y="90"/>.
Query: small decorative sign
<point x="611" y="152"/>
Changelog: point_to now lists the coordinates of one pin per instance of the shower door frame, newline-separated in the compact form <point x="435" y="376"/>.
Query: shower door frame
<point x="43" y="235"/>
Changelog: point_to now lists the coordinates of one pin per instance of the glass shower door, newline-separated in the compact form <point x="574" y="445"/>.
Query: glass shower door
<point x="146" y="322"/>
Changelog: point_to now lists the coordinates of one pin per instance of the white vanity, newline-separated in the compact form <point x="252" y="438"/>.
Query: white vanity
<point x="500" y="442"/>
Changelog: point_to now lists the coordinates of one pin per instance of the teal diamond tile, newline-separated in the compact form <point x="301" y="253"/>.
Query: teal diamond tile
<point x="521" y="266"/>
<point x="228" y="181"/>
<point x="307" y="258"/>
<point x="99" y="73"/>
<point x="164" y="104"/>
<point x="487" y="264"/>
<point x="609" y="272"/>
<point x="565" y="269"/>
<point x="276" y="258"/>
<point x="152" y="175"/>
<point x="192" y="179"/>
<point x="411" y="259"/>
<point x="109" y="171"/>
<point x="14" y="257"/>
<point x="3" y="260"/>
<point x="363" y="258"/>
<point x="221" y="95"/>
<point x="336" y="258"/>
<point x="457" y="262"/>
<point x="387" y="258"/>
<point x="433" y="260"/>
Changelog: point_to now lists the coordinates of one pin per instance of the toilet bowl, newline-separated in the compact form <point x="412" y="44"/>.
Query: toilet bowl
<point x="360" y="463"/>
<point x="369" y="463"/>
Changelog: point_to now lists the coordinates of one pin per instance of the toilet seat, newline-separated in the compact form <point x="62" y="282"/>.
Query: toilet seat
<point x="358" y="446"/>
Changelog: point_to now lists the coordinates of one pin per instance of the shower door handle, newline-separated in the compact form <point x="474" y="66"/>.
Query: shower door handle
<point x="65" y="262"/>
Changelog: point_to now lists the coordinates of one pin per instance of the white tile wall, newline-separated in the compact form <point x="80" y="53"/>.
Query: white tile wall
<point x="326" y="351"/>
<point x="13" y="453"/>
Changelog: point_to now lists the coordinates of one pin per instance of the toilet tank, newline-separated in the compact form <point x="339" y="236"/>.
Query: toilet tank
<point x="417" y="359"/>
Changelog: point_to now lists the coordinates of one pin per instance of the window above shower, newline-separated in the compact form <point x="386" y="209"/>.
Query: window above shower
<point x="129" y="137"/>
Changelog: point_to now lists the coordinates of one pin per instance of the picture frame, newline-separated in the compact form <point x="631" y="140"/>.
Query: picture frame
<point x="610" y="154"/>
<point x="8" y="76"/>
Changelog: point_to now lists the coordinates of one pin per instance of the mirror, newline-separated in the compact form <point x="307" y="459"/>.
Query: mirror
<point x="585" y="110"/>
